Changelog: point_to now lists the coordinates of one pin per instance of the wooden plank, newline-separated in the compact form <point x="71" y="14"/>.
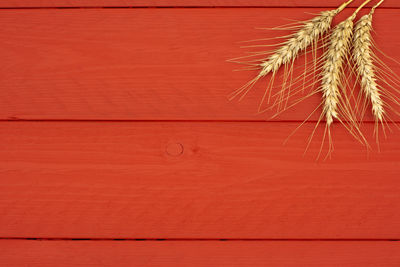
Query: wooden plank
<point x="198" y="253"/>
<point x="142" y="64"/>
<point x="193" y="180"/>
<point x="181" y="3"/>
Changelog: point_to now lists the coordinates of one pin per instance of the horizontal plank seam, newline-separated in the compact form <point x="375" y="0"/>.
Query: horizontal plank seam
<point x="177" y="121"/>
<point x="169" y="7"/>
<point x="199" y="239"/>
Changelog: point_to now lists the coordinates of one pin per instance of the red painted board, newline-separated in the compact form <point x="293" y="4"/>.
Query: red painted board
<point x="182" y="3"/>
<point x="143" y="64"/>
<point x="193" y="180"/>
<point x="198" y="253"/>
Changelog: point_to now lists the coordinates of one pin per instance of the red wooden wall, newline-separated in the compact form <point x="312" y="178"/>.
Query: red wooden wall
<point x="119" y="146"/>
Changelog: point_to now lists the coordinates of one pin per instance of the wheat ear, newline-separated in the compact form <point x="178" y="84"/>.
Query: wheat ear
<point x="362" y="55"/>
<point x="309" y="33"/>
<point x="332" y="70"/>
<point x="333" y="81"/>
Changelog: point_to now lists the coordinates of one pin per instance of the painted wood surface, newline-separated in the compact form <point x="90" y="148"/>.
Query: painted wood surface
<point x="181" y="3"/>
<point x="134" y="138"/>
<point x="143" y="64"/>
<point x="192" y="180"/>
<point x="198" y="253"/>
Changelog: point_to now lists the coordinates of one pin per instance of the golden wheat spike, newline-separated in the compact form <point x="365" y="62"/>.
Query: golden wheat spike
<point x="309" y="33"/>
<point x="362" y="56"/>
<point x="332" y="70"/>
<point x="332" y="73"/>
<point x="333" y="82"/>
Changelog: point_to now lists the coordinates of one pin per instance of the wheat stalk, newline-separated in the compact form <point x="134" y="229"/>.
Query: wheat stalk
<point x="362" y="55"/>
<point x="309" y="33"/>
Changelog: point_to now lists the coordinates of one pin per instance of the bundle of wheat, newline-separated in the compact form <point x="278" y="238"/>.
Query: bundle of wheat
<point x="346" y="43"/>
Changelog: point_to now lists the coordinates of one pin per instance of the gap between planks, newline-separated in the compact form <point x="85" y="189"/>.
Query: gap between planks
<point x="182" y="7"/>
<point x="177" y="3"/>
<point x="199" y="239"/>
<point x="179" y="121"/>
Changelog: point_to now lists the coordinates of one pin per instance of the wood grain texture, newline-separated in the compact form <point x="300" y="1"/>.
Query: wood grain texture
<point x="180" y="3"/>
<point x="218" y="180"/>
<point x="198" y="253"/>
<point x="142" y="64"/>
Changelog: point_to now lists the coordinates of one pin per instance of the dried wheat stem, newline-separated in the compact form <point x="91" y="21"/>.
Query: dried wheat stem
<point x="332" y="70"/>
<point x="362" y="55"/>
